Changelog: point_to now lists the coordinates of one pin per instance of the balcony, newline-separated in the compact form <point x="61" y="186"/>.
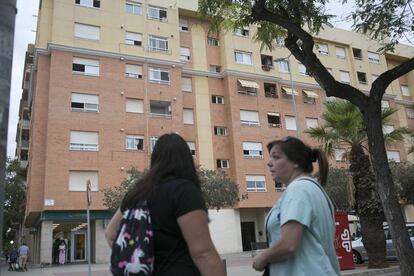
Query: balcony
<point x="25" y="124"/>
<point x="23" y="164"/>
<point x="24" y="144"/>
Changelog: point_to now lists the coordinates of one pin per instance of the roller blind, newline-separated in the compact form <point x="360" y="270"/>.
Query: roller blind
<point x="84" y="137"/>
<point x="290" y="122"/>
<point x="252" y="146"/>
<point x="77" y="180"/>
<point x="85" y="98"/>
<point x="255" y="178"/>
<point x="87" y="31"/>
<point x="188" y="116"/>
<point x="135" y="106"/>
<point x="251" y="116"/>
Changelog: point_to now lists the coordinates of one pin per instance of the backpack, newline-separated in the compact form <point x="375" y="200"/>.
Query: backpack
<point x="133" y="250"/>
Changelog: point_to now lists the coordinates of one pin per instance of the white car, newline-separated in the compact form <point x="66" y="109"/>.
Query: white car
<point x="360" y="254"/>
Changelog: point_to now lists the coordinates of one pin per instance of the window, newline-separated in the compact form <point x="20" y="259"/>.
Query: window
<point x="84" y="31"/>
<point x="157" y="13"/>
<point x="243" y="57"/>
<point x="211" y="41"/>
<point x="267" y="62"/>
<point x="184" y="54"/>
<point x="357" y="53"/>
<point x="223" y="163"/>
<point x="284" y="66"/>
<point x="214" y="68"/>
<point x="85" y="66"/>
<point x="309" y="96"/>
<point x="217" y="99"/>
<point x="83" y="140"/>
<point x="220" y="131"/>
<point x="160" y="109"/>
<point x="362" y="77"/>
<point x="250" y="118"/>
<point x="242" y="32"/>
<point x="78" y="179"/>
<point x="192" y="147"/>
<point x="133" y="38"/>
<point x="159" y="75"/>
<point x="405" y="91"/>
<point x="387" y="129"/>
<point x="183" y="25"/>
<point x="322" y="49"/>
<point x="133" y="8"/>
<point x="340" y="52"/>
<point x="186" y="84"/>
<point x="133" y="71"/>
<point x="302" y="70"/>
<point x="255" y="183"/>
<point x="410" y="113"/>
<point x="247" y="87"/>
<point x="373" y="58"/>
<point x="344" y="77"/>
<point x="288" y="92"/>
<point x="290" y="122"/>
<point x="188" y="116"/>
<point x="311" y="122"/>
<point x="134" y="105"/>
<point x="134" y="142"/>
<point x="158" y="44"/>
<point x="270" y="90"/>
<point x="89" y="3"/>
<point x="340" y="155"/>
<point x="252" y="150"/>
<point x="385" y="104"/>
<point x="393" y="156"/>
<point x="85" y="102"/>
<point x="153" y="140"/>
<point x="273" y="119"/>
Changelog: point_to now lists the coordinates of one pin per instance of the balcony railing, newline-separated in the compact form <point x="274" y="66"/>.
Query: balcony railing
<point x="25" y="124"/>
<point x="23" y="164"/>
<point x="24" y="143"/>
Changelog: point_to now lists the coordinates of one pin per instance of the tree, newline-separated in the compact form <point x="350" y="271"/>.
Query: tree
<point x="344" y="128"/>
<point x="14" y="203"/>
<point x="218" y="189"/>
<point x="288" y="20"/>
<point x="403" y="174"/>
<point x="337" y="188"/>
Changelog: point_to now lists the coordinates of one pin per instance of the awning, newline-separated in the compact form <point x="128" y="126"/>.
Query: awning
<point x="310" y="94"/>
<point x="288" y="91"/>
<point x="250" y="84"/>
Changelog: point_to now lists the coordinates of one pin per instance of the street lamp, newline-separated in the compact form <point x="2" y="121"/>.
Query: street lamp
<point x="295" y="111"/>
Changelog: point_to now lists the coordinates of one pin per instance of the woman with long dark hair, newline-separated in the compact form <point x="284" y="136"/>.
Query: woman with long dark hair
<point x="300" y="227"/>
<point x="182" y="242"/>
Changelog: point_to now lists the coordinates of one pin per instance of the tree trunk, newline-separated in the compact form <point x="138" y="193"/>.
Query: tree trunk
<point x="386" y="189"/>
<point x="368" y="208"/>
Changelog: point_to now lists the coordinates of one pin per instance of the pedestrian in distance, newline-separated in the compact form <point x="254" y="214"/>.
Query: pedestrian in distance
<point x="179" y="219"/>
<point x="300" y="227"/>
<point x="23" y="255"/>
<point x="13" y="259"/>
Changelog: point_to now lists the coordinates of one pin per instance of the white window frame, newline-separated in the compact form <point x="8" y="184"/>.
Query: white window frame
<point x="83" y="176"/>
<point x="133" y="105"/>
<point x="323" y="49"/>
<point x="289" y="120"/>
<point x="410" y="113"/>
<point x="387" y="129"/>
<point x="385" y="104"/>
<point x="155" y="44"/>
<point x="152" y="141"/>
<point x="394" y="155"/>
<point x="188" y="116"/>
<point x="249" y="113"/>
<point x="88" y="3"/>
<point x="223" y="163"/>
<point x="159" y="75"/>
<point x="340" y="52"/>
<point x="217" y="99"/>
<point x="252" y="150"/>
<point x="244" y="58"/>
<point x="133" y="8"/>
<point x="186" y="84"/>
<point x="258" y="181"/>
<point x="84" y="146"/>
<point x="86" y="102"/>
<point x="211" y="41"/>
<point x="132" y="38"/>
<point x="342" y="77"/>
<point x="405" y="91"/>
<point x="184" y="54"/>
<point x="374" y="58"/>
<point x="87" y="32"/>
<point x="183" y="24"/>
<point x="340" y="155"/>
<point x="302" y="70"/>
<point x="154" y="13"/>
<point x="192" y="147"/>
<point x="311" y="122"/>
<point x="243" y="32"/>
<point x="165" y="105"/>
<point x="284" y="66"/>
<point x="220" y="130"/>
<point x="214" y="68"/>
<point x="90" y="66"/>
<point x="133" y="141"/>
<point x="133" y="71"/>
<point x="274" y="114"/>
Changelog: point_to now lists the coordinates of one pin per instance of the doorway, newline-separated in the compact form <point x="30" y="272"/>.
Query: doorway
<point x="248" y="234"/>
<point x="78" y="248"/>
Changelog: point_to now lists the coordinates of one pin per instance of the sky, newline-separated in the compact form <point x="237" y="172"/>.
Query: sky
<point x="26" y="20"/>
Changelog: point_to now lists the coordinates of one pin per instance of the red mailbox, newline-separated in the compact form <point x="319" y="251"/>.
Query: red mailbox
<point x="343" y="240"/>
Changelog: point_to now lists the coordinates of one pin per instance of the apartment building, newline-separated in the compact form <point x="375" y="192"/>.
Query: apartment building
<point x="106" y="78"/>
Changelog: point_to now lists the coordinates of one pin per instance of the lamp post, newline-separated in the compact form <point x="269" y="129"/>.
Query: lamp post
<point x="295" y="111"/>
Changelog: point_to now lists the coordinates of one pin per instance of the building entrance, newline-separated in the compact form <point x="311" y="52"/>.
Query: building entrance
<point x="248" y="234"/>
<point x="78" y="250"/>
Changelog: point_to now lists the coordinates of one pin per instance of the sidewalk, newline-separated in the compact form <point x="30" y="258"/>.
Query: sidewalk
<point x="238" y="264"/>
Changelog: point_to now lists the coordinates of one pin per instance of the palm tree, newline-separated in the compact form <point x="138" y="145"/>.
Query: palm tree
<point x="344" y="128"/>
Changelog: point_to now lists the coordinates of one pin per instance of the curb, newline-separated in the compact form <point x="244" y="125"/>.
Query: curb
<point x="369" y="272"/>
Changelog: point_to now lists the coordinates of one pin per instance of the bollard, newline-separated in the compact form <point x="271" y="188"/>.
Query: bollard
<point x="225" y="266"/>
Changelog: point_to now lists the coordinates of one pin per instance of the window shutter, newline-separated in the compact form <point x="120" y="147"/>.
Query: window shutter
<point x="252" y="146"/>
<point x="77" y="180"/>
<point x="290" y="123"/>
<point x="188" y="116"/>
<point x="311" y="122"/>
<point x="186" y="84"/>
<point x="85" y="98"/>
<point x="133" y="69"/>
<point x="87" y="31"/>
<point x="251" y="116"/>
<point x="135" y="106"/>
<point x="393" y="155"/>
<point x="84" y="137"/>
